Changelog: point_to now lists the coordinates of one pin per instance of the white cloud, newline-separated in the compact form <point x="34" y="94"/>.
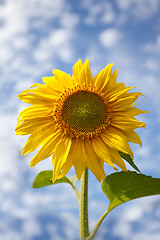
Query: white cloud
<point x="136" y="211"/>
<point x="31" y="228"/>
<point x="110" y="37"/>
<point x="124" y="4"/>
<point x="105" y="11"/>
<point x="122" y="229"/>
<point x="152" y="65"/>
<point x="109" y="16"/>
<point x="7" y="163"/>
<point x="56" y="44"/>
<point x="153" y="47"/>
<point x="25" y="211"/>
<point x="69" y="20"/>
<point x="11" y="235"/>
<point x="151" y="82"/>
<point x="32" y="31"/>
<point x="143" y="9"/>
<point x="94" y="11"/>
<point x="30" y="199"/>
<point x="98" y="12"/>
<point x="14" y="20"/>
<point x="137" y="214"/>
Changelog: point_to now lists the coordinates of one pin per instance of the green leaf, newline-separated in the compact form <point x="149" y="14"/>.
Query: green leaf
<point x="44" y="179"/>
<point x="128" y="158"/>
<point x="121" y="187"/>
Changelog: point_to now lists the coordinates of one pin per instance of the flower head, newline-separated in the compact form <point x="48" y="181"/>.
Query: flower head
<point x="80" y="120"/>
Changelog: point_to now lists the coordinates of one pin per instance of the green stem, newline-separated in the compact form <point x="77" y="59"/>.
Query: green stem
<point x="84" y="228"/>
<point x="98" y="224"/>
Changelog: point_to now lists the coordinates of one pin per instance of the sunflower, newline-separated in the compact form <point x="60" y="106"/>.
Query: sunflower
<point x="82" y="121"/>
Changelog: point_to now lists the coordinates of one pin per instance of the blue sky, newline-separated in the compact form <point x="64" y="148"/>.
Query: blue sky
<point x="39" y="35"/>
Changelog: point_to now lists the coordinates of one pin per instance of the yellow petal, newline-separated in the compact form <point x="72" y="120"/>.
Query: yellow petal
<point x="32" y="98"/>
<point x="116" y="158"/>
<point x="39" y="95"/>
<point x="52" y="82"/>
<point x="114" y="96"/>
<point x="77" y="158"/>
<point x="59" y="158"/>
<point x="63" y="78"/>
<point x="135" y="111"/>
<point x="127" y="124"/>
<point x="92" y="160"/>
<point x="132" y="137"/>
<point x="131" y="112"/>
<point x="117" y="140"/>
<point x="77" y="70"/>
<point x="125" y="103"/>
<point x="65" y="169"/>
<point x="102" y="78"/>
<point x="44" y="91"/>
<point x="37" y="137"/>
<point x="28" y="126"/>
<point x="113" y="89"/>
<point x="112" y="83"/>
<point x="47" y="148"/>
<point x="85" y="74"/>
<point x="36" y="111"/>
<point x="113" y="78"/>
<point x="102" y="151"/>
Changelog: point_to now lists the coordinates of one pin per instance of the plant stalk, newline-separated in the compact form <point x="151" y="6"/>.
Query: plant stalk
<point x="84" y="228"/>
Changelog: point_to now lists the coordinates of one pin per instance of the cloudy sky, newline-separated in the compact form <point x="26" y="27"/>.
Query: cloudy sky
<point x="39" y="35"/>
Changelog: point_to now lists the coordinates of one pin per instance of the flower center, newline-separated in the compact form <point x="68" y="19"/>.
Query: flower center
<point x="84" y="111"/>
<point x="83" y="114"/>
